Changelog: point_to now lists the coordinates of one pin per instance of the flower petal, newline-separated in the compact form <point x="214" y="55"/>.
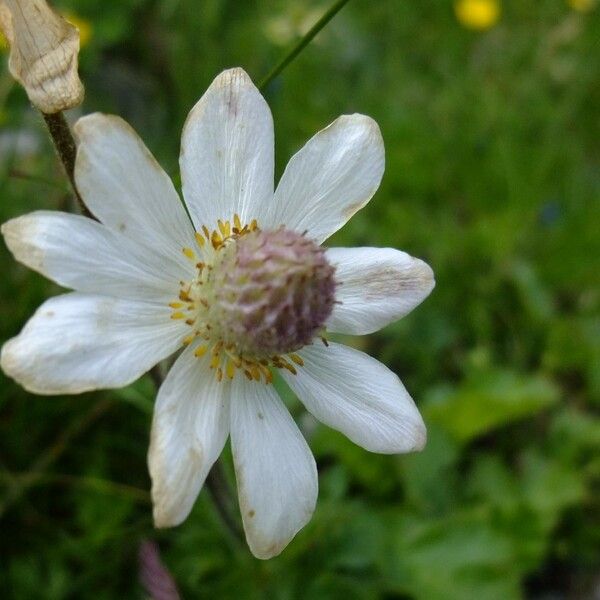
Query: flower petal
<point x="333" y="176"/>
<point x="83" y="254"/>
<point x="189" y="430"/>
<point x="357" y="395"/>
<point x="275" y="469"/>
<point x="377" y="286"/>
<point x="227" y="152"/>
<point x="123" y="185"/>
<point x="78" y="342"/>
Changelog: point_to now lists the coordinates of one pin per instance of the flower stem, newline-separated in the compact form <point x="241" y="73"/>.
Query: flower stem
<point x="222" y="496"/>
<point x="302" y="43"/>
<point x="64" y="142"/>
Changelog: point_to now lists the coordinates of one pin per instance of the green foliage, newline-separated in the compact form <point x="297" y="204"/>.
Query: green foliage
<point x="492" y="177"/>
<point x="487" y="400"/>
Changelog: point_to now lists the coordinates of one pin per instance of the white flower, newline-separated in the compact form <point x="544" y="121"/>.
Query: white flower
<point x="243" y="285"/>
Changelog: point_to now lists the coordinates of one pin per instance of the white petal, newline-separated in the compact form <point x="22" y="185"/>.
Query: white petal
<point x="333" y="176"/>
<point x="227" y="152"/>
<point x="83" y="254"/>
<point x="124" y="186"/>
<point x="357" y="395"/>
<point x="376" y="286"/>
<point x="275" y="469"/>
<point x="189" y="430"/>
<point x="78" y="342"/>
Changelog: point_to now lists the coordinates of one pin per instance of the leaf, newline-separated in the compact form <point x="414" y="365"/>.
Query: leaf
<point x="461" y="556"/>
<point x="488" y="400"/>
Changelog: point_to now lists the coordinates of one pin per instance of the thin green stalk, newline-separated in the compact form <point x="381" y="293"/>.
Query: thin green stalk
<point x="302" y="43"/>
<point x="93" y="483"/>
<point x="19" y="486"/>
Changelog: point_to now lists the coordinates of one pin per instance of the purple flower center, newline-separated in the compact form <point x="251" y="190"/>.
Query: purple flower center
<point x="274" y="291"/>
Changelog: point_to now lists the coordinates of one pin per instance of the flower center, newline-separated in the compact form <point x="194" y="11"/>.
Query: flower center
<point x="257" y="297"/>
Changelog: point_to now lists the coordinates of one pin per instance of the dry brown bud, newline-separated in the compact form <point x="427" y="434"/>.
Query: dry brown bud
<point x="43" y="54"/>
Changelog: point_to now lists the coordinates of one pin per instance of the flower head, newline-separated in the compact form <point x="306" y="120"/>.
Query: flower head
<point x="244" y="287"/>
<point x="477" y="14"/>
<point x="582" y="6"/>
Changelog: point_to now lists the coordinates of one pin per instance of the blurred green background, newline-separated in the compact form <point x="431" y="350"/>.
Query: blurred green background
<point x="492" y="134"/>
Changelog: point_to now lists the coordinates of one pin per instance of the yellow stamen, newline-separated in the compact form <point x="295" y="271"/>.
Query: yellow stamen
<point x="188" y="340"/>
<point x="219" y="374"/>
<point x="237" y="222"/>
<point x="200" y="351"/>
<point x="297" y="359"/>
<point x="215" y="361"/>
<point x="224" y="228"/>
<point x="176" y="305"/>
<point x="199" y="239"/>
<point x="237" y="361"/>
<point x="255" y="372"/>
<point x="266" y="373"/>
<point x="189" y="253"/>
<point x="230" y="369"/>
<point x="286" y="365"/>
<point x="216" y="240"/>
<point x="178" y="315"/>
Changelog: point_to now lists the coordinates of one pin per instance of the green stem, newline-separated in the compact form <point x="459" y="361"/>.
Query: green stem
<point x="302" y="43"/>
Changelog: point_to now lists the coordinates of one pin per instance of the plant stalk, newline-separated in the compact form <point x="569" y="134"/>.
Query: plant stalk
<point x="302" y="43"/>
<point x="64" y="142"/>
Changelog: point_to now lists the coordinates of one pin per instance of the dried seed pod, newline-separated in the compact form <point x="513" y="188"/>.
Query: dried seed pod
<point x="43" y="54"/>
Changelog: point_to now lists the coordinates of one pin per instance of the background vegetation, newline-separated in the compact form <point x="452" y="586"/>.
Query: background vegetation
<point x="493" y="148"/>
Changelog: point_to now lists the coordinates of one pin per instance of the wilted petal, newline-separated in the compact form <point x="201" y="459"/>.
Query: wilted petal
<point x="275" y="469"/>
<point x="357" y="395"/>
<point x="189" y="429"/>
<point x="83" y="254"/>
<point x="227" y="153"/>
<point x="333" y="176"/>
<point x="78" y="342"/>
<point x="123" y="185"/>
<point x="376" y="286"/>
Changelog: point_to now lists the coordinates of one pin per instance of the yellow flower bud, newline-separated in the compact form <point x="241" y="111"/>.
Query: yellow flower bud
<point x="477" y="14"/>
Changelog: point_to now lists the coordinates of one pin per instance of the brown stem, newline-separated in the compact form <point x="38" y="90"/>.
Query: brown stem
<point x="64" y="142"/>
